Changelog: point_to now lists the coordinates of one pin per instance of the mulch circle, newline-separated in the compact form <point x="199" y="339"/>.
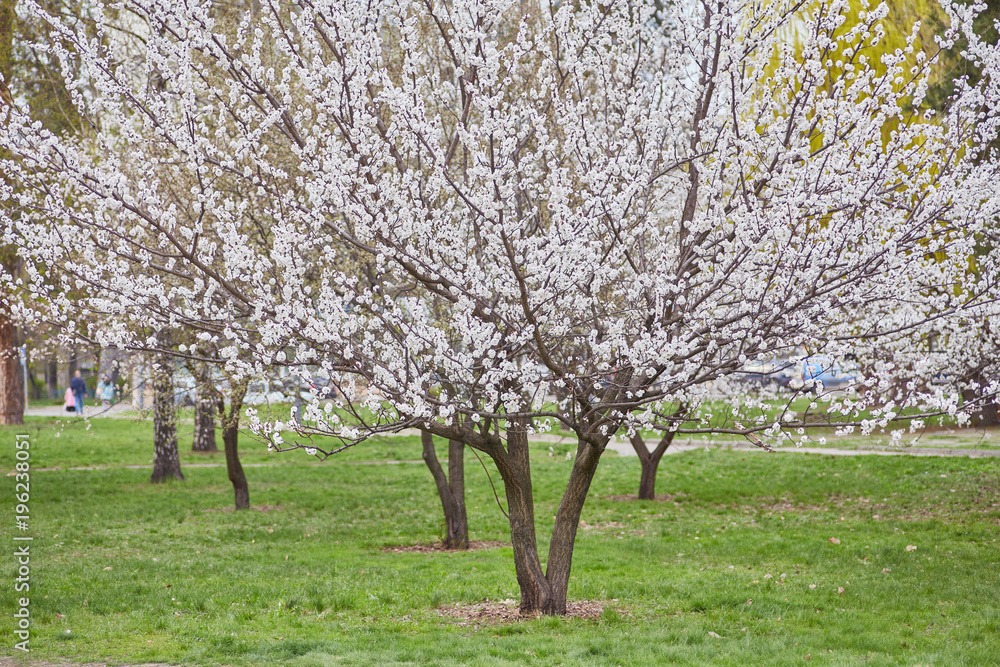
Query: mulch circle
<point x="493" y="612"/>
<point x="474" y="545"/>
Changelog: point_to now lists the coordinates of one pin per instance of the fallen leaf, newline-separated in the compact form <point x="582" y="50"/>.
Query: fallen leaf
<point x="834" y="540"/>
<point x="886" y="570"/>
<point x="712" y="634"/>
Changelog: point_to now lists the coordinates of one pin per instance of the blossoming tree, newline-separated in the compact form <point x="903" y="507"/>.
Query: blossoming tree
<point x="486" y="218"/>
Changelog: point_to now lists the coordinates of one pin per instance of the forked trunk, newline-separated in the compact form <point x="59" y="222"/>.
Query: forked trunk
<point x="650" y="461"/>
<point x="230" y="440"/>
<point x="543" y="591"/>
<point x="451" y="490"/>
<point x="166" y="459"/>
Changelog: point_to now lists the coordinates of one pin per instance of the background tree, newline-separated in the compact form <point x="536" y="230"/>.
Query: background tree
<point x="166" y="456"/>
<point x="450" y="488"/>
<point x="11" y="375"/>
<point x="230" y="440"/>
<point x="205" y="401"/>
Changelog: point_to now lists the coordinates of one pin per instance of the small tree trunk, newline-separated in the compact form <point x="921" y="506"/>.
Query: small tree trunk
<point x="230" y="440"/>
<point x="35" y="392"/>
<point x="456" y="482"/>
<point x="166" y="459"/>
<point x="71" y="365"/>
<point x="52" y="378"/>
<point x="452" y="493"/>
<point x="991" y="414"/>
<point x="11" y="378"/>
<point x="204" y="425"/>
<point x="204" y="414"/>
<point x="650" y="461"/>
<point x="986" y="413"/>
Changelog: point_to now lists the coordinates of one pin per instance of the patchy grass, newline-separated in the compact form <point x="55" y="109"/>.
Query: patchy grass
<point x="734" y="566"/>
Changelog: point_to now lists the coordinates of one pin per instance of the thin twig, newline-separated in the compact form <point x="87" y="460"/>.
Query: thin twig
<point x="760" y="443"/>
<point x="491" y="483"/>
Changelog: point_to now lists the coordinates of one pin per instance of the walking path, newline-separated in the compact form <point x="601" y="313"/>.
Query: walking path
<point x="618" y="445"/>
<point x="90" y="411"/>
<point x="624" y="448"/>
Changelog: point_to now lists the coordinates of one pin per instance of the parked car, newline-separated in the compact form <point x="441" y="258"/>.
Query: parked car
<point x="821" y="371"/>
<point x="780" y="372"/>
<point x="262" y="392"/>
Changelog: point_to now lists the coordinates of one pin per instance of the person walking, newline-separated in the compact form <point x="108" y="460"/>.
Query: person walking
<point x="106" y="391"/>
<point x="79" y="387"/>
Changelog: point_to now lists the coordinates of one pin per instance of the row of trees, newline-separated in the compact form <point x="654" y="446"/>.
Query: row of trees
<point x="455" y="211"/>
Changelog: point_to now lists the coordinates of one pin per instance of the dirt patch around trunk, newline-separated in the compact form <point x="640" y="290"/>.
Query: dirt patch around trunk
<point x="499" y="612"/>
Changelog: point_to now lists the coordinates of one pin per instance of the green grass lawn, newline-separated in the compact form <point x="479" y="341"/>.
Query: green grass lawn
<point x="736" y="567"/>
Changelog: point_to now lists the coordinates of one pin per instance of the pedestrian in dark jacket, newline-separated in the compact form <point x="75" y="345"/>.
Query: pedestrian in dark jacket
<point x="79" y="388"/>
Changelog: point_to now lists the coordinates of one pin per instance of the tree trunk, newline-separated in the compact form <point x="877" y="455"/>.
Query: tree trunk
<point x="230" y="440"/>
<point x="985" y="414"/>
<point x="515" y="469"/>
<point x="35" y="391"/>
<point x="543" y="592"/>
<point x="166" y="459"/>
<point x="451" y="489"/>
<point x="11" y="377"/>
<point x="650" y="461"/>
<point x="204" y="425"/>
<point x="991" y="414"/>
<point x="71" y="365"/>
<point x="204" y="414"/>
<point x="52" y="378"/>
<point x="564" y="529"/>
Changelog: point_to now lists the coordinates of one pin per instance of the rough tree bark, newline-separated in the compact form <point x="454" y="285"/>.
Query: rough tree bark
<point x="204" y="413"/>
<point x="650" y="461"/>
<point x="451" y="489"/>
<point x="230" y="440"/>
<point x="543" y="591"/>
<point x="11" y="379"/>
<point x="166" y="458"/>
